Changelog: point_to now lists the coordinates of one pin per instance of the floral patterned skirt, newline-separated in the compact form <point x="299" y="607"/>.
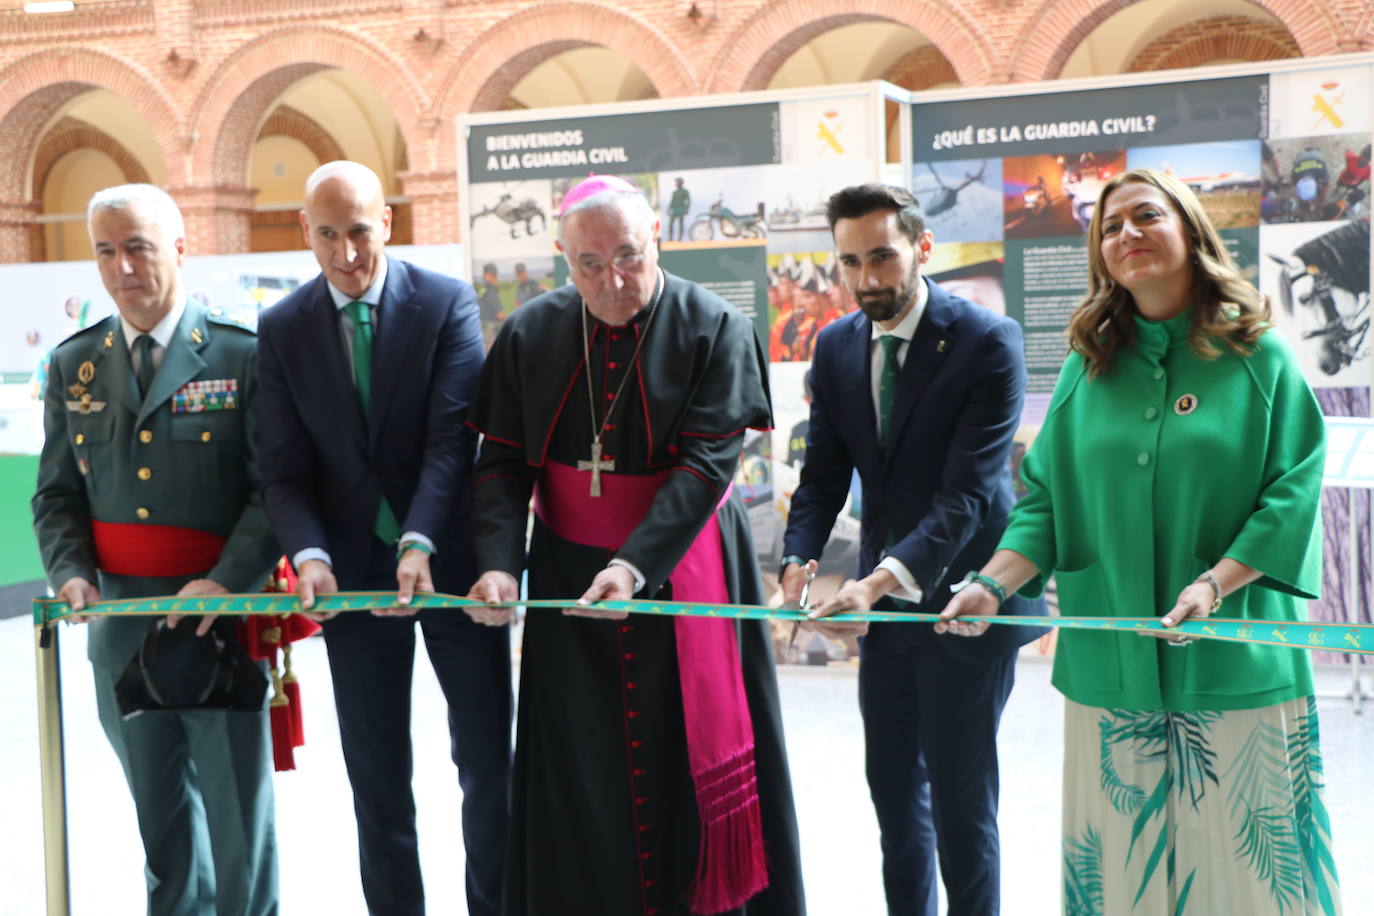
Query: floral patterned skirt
<point x="1196" y="813"/>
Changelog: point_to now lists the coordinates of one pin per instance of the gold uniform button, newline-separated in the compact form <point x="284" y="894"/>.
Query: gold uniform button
<point x="205" y="436"/>
<point x="80" y="438"/>
<point x="145" y="473"/>
<point x="145" y="436"/>
<point x="141" y="512"/>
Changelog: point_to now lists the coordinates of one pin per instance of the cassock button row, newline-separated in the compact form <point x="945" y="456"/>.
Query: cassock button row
<point x="145" y="436"/>
<point x="145" y="473"/>
<point x="632" y="714"/>
<point x="613" y="365"/>
<point x="636" y="743"/>
<point x="624" y="628"/>
<point x="639" y="800"/>
<point x="629" y="656"/>
<point x="141" y="512"/>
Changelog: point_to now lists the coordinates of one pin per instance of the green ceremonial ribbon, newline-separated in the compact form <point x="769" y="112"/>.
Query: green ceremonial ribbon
<point x="1331" y="637"/>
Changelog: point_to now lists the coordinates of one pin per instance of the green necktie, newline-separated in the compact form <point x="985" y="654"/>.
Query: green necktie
<point x="143" y="348"/>
<point x="887" y="385"/>
<point x="360" y="313"/>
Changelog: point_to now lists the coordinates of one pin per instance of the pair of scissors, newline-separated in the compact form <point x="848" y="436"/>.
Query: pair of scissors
<point x="802" y="602"/>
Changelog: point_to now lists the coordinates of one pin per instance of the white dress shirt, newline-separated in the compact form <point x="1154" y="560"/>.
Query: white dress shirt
<point x="373" y="297"/>
<point x="905" y="330"/>
<point x="161" y="334"/>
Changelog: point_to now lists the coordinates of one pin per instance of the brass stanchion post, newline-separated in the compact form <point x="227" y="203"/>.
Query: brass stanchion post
<point x="53" y="769"/>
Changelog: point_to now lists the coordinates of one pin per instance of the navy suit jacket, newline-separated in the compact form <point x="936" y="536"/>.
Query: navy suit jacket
<point x="325" y="465"/>
<point x="942" y="487"/>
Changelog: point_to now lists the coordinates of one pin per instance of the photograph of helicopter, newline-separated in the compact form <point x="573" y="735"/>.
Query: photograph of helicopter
<point x="961" y="198"/>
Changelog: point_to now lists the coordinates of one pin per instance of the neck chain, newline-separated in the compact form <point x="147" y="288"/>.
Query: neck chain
<point x="596" y="465"/>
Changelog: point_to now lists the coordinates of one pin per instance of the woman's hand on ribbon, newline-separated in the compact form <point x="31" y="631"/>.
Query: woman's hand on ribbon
<point x="495" y="587"/>
<point x="614" y="583"/>
<point x="196" y="588"/>
<point x="972" y="599"/>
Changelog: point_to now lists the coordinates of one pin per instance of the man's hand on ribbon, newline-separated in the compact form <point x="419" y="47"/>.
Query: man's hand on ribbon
<point x="192" y="589"/>
<point x="496" y="586"/>
<point x="854" y="595"/>
<point x="614" y="583"/>
<point x="78" y="593"/>
<point x="412" y="575"/>
<point x="315" y="577"/>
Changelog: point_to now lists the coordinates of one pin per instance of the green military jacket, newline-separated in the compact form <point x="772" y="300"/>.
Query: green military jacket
<point x="185" y="456"/>
<point x="1141" y="479"/>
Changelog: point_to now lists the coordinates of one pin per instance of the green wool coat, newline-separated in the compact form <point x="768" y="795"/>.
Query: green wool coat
<point x="1132" y="496"/>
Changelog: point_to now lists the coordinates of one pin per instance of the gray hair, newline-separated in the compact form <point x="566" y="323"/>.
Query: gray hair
<point x="631" y="203"/>
<point x="121" y="197"/>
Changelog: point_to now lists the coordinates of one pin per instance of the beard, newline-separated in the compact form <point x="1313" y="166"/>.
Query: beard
<point x="886" y="304"/>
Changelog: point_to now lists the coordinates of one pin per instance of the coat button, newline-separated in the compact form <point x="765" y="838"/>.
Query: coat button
<point x="1142" y="459"/>
<point x="145" y="436"/>
<point x="1151" y="413"/>
<point x="142" y="512"/>
<point x="205" y="436"/>
<point x="145" y="473"/>
<point x="80" y="438"/>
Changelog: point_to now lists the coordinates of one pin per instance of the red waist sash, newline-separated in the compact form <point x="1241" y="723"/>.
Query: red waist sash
<point x="154" y="551"/>
<point x="731" y="865"/>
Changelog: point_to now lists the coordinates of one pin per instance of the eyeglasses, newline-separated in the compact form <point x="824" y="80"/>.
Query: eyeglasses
<point x="626" y="263"/>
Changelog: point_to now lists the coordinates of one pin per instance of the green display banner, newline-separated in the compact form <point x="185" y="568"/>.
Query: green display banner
<point x="1335" y="637"/>
<point x="647" y="141"/>
<point x="1084" y="120"/>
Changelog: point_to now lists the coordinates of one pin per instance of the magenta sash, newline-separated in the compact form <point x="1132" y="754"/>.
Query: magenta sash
<point x="731" y="866"/>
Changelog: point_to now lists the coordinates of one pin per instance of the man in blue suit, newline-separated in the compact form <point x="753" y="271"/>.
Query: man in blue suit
<point x="364" y="378"/>
<point x="920" y="391"/>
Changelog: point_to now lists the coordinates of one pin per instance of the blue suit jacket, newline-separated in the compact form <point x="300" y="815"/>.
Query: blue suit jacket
<point x="324" y="465"/>
<point x="942" y="488"/>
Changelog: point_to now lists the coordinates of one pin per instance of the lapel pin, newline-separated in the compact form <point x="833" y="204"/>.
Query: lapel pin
<point x="940" y="347"/>
<point x="196" y="336"/>
<point x="1185" y="405"/>
<point x="109" y="341"/>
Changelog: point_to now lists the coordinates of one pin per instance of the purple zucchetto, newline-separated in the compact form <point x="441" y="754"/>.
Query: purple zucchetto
<point x="595" y="184"/>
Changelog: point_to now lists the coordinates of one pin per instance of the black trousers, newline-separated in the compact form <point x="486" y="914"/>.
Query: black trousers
<point x="930" y="735"/>
<point x="371" y="661"/>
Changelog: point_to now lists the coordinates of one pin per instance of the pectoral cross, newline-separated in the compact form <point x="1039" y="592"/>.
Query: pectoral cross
<point x="596" y="466"/>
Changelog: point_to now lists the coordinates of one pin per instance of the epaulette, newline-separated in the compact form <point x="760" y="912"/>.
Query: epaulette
<point x="82" y="332"/>
<point x="230" y="319"/>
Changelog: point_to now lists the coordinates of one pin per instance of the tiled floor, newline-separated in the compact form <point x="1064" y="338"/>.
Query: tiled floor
<point x="316" y="829"/>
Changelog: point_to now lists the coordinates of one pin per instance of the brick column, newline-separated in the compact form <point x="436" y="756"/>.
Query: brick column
<point x="21" y="236"/>
<point x="433" y="206"/>
<point x="218" y="217"/>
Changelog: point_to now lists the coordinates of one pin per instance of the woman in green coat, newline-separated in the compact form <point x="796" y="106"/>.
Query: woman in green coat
<point x="1177" y="474"/>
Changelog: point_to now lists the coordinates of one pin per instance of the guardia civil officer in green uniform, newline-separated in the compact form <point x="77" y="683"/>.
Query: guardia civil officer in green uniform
<point x="148" y="485"/>
<point x="1177" y="474"/>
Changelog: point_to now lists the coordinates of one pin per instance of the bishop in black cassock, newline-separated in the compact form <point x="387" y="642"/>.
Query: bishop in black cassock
<point x="606" y="817"/>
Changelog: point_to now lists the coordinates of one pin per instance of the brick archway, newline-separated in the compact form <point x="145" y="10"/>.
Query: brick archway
<point x="70" y="134"/>
<point x="285" y="121"/>
<point x="921" y="69"/>
<point x="749" y="59"/>
<point x="490" y="67"/>
<point x="1058" y="26"/>
<point x="34" y="89"/>
<point x="1216" y="38"/>
<point x="232" y="108"/>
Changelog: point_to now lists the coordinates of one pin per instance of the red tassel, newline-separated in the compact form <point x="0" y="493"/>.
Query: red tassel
<point x="279" y="711"/>
<point x="292" y="688"/>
